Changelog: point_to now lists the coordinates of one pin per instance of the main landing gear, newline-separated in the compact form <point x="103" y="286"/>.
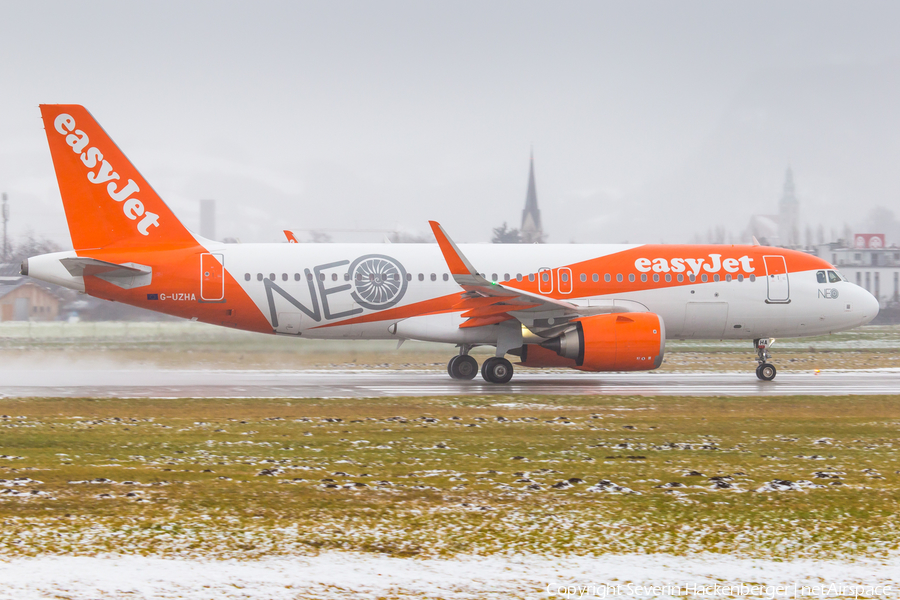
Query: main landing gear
<point x="462" y="366"/>
<point x="496" y="369"/>
<point x="765" y="371"/>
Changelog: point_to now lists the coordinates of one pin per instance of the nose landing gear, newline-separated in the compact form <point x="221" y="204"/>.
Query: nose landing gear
<point x="765" y="371"/>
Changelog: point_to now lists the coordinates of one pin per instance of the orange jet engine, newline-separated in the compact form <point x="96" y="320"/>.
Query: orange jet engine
<point x="613" y="342"/>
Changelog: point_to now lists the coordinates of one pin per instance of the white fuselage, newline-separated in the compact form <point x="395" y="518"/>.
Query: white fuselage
<point x="711" y="310"/>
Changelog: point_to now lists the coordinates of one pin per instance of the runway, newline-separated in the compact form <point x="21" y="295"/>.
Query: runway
<point x="114" y="382"/>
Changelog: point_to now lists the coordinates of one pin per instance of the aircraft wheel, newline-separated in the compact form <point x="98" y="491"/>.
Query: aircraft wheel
<point x="766" y="372"/>
<point x="497" y="370"/>
<point x="462" y="366"/>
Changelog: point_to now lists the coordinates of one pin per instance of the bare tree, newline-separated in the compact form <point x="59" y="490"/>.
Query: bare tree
<point x="505" y="235"/>
<point x="319" y="237"/>
<point x="31" y="246"/>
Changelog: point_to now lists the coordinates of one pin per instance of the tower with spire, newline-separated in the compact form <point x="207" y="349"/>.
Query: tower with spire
<point x="531" y="231"/>
<point x="789" y="213"/>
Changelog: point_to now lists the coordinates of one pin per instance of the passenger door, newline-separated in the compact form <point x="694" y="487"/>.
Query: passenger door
<point x="779" y="288"/>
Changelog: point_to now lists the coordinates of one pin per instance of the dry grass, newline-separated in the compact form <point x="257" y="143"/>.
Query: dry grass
<point x="442" y="476"/>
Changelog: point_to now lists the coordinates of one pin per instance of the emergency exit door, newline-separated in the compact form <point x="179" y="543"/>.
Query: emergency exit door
<point x="779" y="288"/>
<point x="212" y="277"/>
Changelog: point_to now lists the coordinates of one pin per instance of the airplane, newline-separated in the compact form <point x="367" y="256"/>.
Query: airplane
<point x="589" y="307"/>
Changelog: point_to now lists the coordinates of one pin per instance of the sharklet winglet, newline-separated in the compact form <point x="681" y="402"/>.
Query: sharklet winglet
<point x="462" y="270"/>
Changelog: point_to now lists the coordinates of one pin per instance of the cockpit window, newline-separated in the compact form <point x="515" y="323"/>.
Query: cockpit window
<point x="820" y="277"/>
<point x="833" y="277"/>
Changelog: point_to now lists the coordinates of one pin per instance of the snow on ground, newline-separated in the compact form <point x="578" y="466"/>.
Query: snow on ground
<point x="336" y="574"/>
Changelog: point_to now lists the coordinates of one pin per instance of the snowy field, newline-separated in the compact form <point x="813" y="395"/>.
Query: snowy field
<point x="363" y="576"/>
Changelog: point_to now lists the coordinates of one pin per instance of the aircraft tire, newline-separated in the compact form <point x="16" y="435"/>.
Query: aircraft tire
<point x="497" y="369"/>
<point x="766" y="372"/>
<point x="462" y="366"/>
<point x="451" y="367"/>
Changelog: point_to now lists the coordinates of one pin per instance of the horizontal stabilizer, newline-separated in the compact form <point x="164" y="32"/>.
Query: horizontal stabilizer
<point x="126" y="275"/>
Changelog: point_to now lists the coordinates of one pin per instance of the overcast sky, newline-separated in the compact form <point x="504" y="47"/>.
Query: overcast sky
<point x="650" y="121"/>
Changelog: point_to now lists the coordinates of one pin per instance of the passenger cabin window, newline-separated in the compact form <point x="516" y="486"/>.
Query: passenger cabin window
<point x="531" y="277"/>
<point x="607" y="278"/>
<point x="619" y="278"/>
<point x="820" y="277"/>
<point x="433" y="277"/>
<point x="421" y="276"/>
<point x="272" y="276"/>
<point x="595" y="278"/>
<point x="545" y="276"/>
<point x="284" y="276"/>
<point x="446" y="277"/>
<point x="655" y="277"/>
<point x="583" y="277"/>
<point x="259" y="277"/>
<point x="833" y="277"/>
<point x="564" y="276"/>
<point x="296" y="276"/>
<point x="518" y="277"/>
<point x="247" y="277"/>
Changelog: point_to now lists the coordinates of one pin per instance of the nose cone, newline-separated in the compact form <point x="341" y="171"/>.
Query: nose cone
<point x="866" y="306"/>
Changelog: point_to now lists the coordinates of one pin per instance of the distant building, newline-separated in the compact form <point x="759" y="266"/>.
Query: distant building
<point x="208" y="219"/>
<point x="782" y="229"/>
<point x="789" y="213"/>
<point x="868" y="264"/>
<point x="531" y="231"/>
<point x="26" y="301"/>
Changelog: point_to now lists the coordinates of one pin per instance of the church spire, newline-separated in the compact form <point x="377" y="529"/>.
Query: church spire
<point x="788" y="213"/>
<point x="531" y="229"/>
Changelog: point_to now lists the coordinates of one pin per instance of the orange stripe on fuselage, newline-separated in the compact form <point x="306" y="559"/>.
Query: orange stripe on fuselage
<point x="660" y="260"/>
<point x="441" y="304"/>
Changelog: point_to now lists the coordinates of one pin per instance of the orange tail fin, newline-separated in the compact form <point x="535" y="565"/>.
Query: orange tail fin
<point x="108" y="203"/>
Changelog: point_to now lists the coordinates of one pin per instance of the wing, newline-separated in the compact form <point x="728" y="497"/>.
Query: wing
<point x="488" y="302"/>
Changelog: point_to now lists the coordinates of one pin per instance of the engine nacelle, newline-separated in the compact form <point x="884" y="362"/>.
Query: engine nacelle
<point x="533" y="355"/>
<point x="613" y="342"/>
